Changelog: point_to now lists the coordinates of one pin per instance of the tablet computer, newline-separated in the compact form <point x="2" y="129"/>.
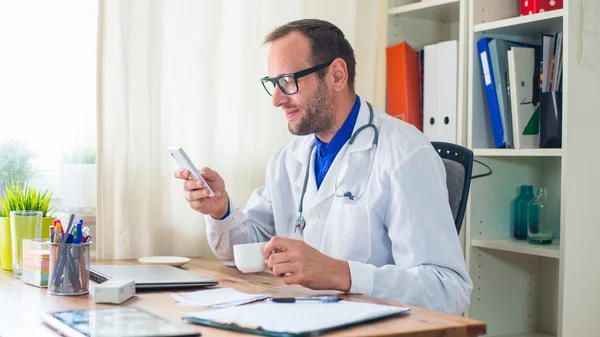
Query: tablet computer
<point x="118" y="321"/>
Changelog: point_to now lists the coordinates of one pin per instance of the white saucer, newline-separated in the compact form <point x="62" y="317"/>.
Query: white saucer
<point x="175" y="261"/>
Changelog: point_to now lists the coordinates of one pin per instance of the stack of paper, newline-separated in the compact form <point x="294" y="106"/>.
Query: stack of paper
<point x="217" y="298"/>
<point x="293" y="318"/>
<point x="35" y="267"/>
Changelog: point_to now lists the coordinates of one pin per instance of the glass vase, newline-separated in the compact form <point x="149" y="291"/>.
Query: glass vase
<point x="540" y="229"/>
<point x="520" y="205"/>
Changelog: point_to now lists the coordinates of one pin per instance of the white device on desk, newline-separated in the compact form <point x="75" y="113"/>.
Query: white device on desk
<point x="114" y="291"/>
<point x="117" y="321"/>
<point x="184" y="162"/>
<point x="151" y="276"/>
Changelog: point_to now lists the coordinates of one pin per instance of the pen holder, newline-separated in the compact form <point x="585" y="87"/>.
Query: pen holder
<point x="69" y="263"/>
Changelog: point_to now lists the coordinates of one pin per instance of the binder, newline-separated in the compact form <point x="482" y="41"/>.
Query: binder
<point x="440" y="91"/>
<point x="403" y="84"/>
<point x="551" y="120"/>
<point x="498" y="56"/>
<point x="525" y="123"/>
<point x="293" y="319"/>
<point x="490" y="92"/>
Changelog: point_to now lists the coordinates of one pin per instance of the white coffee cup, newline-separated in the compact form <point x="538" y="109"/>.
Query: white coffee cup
<point x="249" y="257"/>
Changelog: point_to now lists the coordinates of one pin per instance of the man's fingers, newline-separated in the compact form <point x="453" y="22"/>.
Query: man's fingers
<point x="281" y="269"/>
<point x="277" y="243"/>
<point x="277" y="258"/>
<point x="197" y="194"/>
<point x="190" y="185"/>
<point x="181" y="173"/>
<point x="209" y="175"/>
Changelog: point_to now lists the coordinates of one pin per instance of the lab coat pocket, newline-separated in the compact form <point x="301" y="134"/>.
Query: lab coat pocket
<point x="348" y="231"/>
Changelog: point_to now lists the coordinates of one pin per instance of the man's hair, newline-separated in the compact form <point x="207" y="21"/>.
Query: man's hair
<point x="327" y="42"/>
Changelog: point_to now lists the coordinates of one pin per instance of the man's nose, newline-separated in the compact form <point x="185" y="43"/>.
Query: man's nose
<point x="279" y="98"/>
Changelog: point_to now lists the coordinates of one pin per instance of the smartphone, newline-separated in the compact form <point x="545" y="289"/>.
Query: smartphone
<point x="184" y="162"/>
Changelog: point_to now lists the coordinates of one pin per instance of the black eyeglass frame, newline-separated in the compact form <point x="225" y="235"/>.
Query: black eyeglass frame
<point x="295" y="76"/>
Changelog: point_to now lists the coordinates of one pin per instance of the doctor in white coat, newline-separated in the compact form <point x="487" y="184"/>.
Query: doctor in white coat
<point x="371" y="217"/>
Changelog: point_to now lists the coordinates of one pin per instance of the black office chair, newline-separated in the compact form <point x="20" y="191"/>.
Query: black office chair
<point x="458" y="162"/>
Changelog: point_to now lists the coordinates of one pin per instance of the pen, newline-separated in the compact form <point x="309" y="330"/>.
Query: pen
<point x="322" y="299"/>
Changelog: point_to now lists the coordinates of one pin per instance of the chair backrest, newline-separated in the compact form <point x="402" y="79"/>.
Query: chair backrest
<point x="458" y="162"/>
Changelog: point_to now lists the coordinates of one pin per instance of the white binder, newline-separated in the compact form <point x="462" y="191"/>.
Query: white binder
<point x="521" y="66"/>
<point x="440" y="91"/>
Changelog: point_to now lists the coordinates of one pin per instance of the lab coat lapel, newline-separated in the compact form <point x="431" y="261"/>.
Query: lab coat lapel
<point x="362" y="142"/>
<point x="302" y="153"/>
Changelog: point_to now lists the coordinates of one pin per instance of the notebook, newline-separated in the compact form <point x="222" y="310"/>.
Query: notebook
<point x="151" y="277"/>
<point x="292" y="319"/>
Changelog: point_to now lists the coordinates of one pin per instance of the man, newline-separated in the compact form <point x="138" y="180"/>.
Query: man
<point x="374" y="215"/>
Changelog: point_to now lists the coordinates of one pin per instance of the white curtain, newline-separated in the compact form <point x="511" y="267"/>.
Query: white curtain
<point x="186" y="73"/>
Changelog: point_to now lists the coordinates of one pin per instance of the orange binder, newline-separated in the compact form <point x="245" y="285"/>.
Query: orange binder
<point x="403" y="84"/>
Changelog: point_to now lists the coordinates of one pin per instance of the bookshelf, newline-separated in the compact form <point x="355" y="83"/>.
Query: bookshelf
<point x="516" y="285"/>
<point x="522" y="290"/>
<point x="517" y="153"/>
<point x="534" y="24"/>
<point x="517" y="246"/>
<point x="437" y="10"/>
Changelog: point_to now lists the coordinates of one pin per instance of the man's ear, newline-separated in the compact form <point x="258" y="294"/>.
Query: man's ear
<point x="339" y="73"/>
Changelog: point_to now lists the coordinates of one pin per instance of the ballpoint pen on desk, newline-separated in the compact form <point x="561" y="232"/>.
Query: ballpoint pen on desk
<point x="322" y="299"/>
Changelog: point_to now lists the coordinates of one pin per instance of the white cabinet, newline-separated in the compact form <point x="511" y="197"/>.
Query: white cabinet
<point x="522" y="289"/>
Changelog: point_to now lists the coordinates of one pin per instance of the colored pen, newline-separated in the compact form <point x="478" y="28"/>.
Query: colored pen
<point x="322" y="299"/>
<point x="79" y="236"/>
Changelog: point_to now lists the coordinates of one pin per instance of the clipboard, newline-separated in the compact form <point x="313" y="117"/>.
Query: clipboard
<point x="293" y="319"/>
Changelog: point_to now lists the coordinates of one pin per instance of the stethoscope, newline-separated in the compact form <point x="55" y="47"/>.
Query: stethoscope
<point x="300" y="222"/>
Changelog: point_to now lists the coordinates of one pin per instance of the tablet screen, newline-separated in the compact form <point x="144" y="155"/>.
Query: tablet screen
<point x="122" y="321"/>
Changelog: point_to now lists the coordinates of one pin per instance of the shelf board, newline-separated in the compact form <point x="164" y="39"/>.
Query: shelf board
<point x="522" y="247"/>
<point x="529" y="25"/>
<point x="436" y="10"/>
<point x="518" y="152"/>
<point x="530" y="334"/>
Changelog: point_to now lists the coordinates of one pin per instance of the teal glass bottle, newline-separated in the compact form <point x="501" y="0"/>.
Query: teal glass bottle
<point x="540" y="227"/>
<point x="520" y="205"/>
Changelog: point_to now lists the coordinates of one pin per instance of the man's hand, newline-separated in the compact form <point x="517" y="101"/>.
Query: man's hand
<point x="299" y="263"/>
<point x="196" y="193"/>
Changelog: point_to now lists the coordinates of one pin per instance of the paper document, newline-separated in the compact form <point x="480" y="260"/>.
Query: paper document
<point x="217" y="298"/>
<point x="295" y="318"/>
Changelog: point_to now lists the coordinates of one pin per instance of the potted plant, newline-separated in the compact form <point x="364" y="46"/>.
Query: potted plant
<point x="5" y="244"/>
<point x="78" y="178"/>
<point x="22" y="197"/>
<point x="15" y="162"/>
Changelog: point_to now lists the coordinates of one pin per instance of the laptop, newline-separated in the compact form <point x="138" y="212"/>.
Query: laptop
<point x="151" y="276"/>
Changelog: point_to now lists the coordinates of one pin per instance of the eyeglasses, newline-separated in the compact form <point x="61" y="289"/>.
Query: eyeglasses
<point x="288" y="83"/>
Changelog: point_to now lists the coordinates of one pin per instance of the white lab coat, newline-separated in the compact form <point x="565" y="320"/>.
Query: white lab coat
<point x="399" y="238"/>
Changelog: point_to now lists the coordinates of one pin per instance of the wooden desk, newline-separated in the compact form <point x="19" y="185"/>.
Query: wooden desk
<point x="20" y="305"/>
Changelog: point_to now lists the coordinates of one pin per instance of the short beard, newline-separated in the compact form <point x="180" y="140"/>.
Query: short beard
<point x="318" y="115"/>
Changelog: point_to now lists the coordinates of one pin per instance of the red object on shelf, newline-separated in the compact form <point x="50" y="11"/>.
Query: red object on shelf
<point x="403" y="100"/>
<point x="539" y="6"/>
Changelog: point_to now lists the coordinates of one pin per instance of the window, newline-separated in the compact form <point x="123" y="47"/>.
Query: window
<point x="48" y="93"/>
